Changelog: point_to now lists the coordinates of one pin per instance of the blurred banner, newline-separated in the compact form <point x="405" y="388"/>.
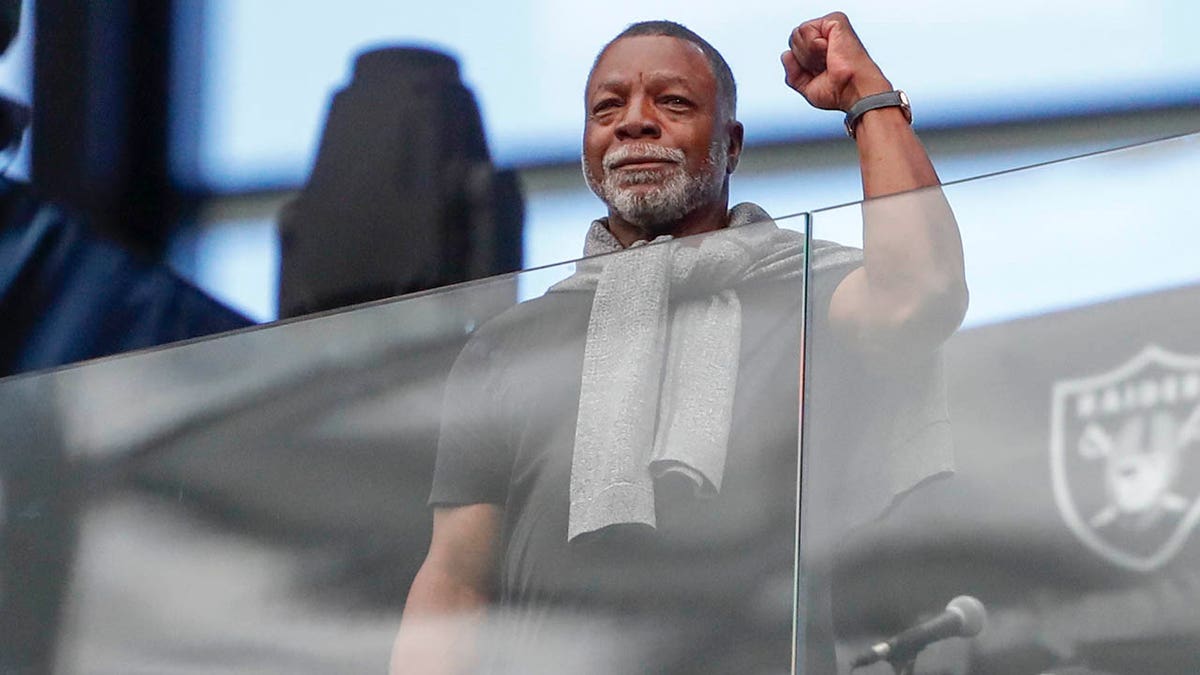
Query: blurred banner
<point x="1069" y="500"/>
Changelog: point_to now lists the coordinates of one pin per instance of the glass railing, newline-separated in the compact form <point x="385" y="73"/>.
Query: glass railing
<point x="618" y="453"/>
<point x="612" y="464"/>
<point x="1043" y="460"/>
<point x="253" y="502"/>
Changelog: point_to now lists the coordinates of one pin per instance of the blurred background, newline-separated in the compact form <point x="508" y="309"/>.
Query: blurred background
<point x="258" y="499"/>
<point x="214" y="109"/>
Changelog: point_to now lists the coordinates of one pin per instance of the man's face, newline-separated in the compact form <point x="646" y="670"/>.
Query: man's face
<point x="655" y="146"/>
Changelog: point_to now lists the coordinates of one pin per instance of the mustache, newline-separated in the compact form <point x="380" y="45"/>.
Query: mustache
<point x="626" y="154"/>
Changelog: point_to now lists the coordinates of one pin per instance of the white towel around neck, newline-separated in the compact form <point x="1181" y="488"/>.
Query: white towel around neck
<point x="657" y="386"/>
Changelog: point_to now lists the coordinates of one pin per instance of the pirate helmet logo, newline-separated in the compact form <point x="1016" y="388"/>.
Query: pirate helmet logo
<point x="1125" y="457"/>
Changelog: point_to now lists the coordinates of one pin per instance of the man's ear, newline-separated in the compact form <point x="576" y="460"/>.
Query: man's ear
<point x="736" y="133"/>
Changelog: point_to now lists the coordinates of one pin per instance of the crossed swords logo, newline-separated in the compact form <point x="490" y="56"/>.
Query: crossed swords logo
<point x="1124" y="477"/>
<point x="1139" y="477"/>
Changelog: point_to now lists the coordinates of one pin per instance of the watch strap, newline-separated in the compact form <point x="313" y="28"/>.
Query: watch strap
<point x="887" y="99"/>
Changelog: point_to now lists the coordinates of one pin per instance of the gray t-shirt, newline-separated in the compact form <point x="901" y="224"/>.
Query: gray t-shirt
<point x="721" y="567"/>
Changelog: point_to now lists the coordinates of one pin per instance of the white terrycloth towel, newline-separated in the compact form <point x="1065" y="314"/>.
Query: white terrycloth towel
<point x="657" y="387"/>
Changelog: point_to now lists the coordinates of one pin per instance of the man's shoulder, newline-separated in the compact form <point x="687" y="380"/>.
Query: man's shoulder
<point x="553" y="315"/>
<point x="830" y="255"/>
<point x="826" y="255"/>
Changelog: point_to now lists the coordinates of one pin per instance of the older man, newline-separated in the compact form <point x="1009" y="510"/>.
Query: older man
<point x="555" y="491"/>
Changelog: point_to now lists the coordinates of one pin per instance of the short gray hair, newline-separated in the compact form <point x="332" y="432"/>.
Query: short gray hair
<point x="726" y="86"/>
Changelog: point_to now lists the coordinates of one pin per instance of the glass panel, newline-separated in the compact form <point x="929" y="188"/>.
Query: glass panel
<point x="1043" y="459"/>
<point x="612" y="466"/>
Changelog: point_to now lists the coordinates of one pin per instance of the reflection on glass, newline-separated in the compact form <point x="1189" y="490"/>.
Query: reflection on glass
<point x="875" y="420"/>
<point x="250" y="503"/>
<point x="617" y="460"/>
<point x="1060" y="472"/>
<point x="261" y="501"/>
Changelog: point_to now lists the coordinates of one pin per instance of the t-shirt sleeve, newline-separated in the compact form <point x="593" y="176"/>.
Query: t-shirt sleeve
<point x="831" y="263"/>
<point x="474" y="459"/>
<point x="887" y="426"/>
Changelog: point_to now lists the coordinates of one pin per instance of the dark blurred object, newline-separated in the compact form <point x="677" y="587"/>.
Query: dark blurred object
<point x="10" y="22"/>
<point x="14" y="117"/>
<point x="403" y="196"/>
<point x="100" y="129"/>
<point x="997" y="527"/>
<point x="67" y="295"/>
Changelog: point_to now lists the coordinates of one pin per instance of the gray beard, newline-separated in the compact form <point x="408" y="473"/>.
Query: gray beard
<point x="657" y="211"/>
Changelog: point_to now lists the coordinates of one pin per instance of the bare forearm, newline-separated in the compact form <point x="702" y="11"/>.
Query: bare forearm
<point x="449" y="596"/>
<point x="910" y="292"/>
<point x="912" y="246"/>
<point x="435" y="592"/>
<point x="890" y="156"/>
<point x="438" y="632"/>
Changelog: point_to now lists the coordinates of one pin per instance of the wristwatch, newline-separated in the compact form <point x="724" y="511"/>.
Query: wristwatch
<point x="888" y="99"/>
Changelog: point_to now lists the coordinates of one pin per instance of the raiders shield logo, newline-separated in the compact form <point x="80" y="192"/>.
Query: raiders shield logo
<point x="1125" y="457"/>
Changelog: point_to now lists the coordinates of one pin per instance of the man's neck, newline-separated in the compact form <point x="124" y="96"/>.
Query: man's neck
<point x="707" y="218"/>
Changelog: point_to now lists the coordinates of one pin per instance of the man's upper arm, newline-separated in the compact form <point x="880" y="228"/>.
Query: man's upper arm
<point x="465" y="541"/>
<point x="889" y="324"/>
<point x="450" y="593"/>
<point x="470" y="484"/>
<point x="460" y="568"/>
<point x="910" y="294"/>
<point x="474" y="458"/>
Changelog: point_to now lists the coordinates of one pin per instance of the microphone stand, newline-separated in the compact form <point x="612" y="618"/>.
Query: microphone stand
<point x="903" y="663"/>
<point x="965" y="616"/>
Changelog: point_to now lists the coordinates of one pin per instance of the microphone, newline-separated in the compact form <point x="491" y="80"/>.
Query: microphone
<point x="964" y="617"/>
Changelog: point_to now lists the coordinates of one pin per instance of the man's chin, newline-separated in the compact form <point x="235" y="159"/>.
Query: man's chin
<point x="644" y="181"/>
<point x="654" y="221"/>
<point x="639" y="191"/>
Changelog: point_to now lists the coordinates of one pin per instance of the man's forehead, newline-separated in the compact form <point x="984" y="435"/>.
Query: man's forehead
<point x="661" y="78"/>
<point x="663" y="56"/>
